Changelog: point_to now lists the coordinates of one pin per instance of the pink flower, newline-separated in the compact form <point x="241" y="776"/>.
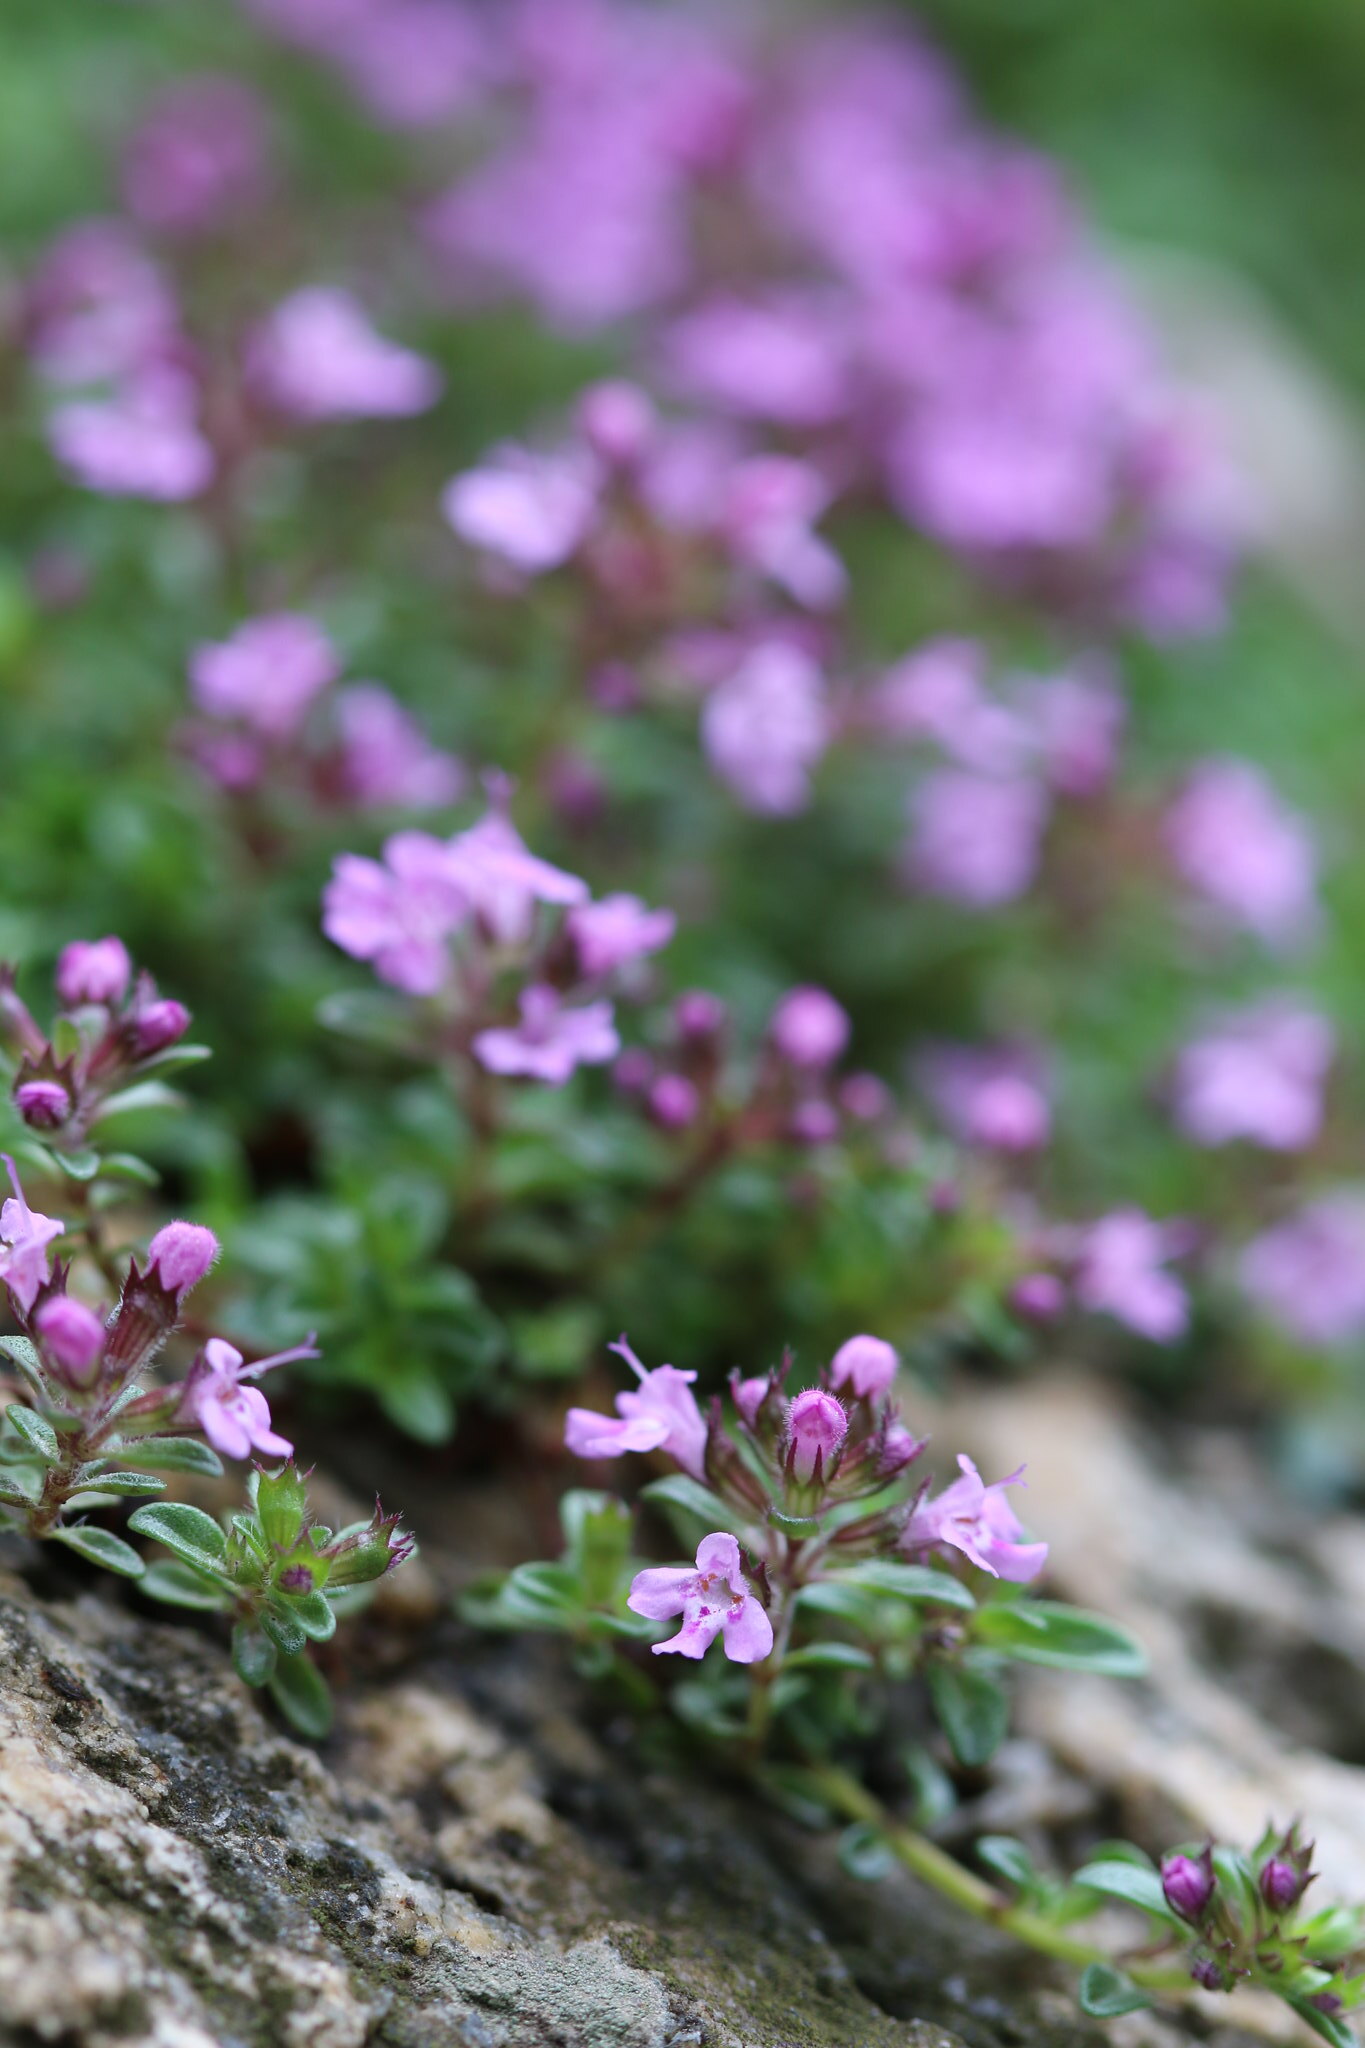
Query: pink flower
<point x="771" y="505"/>
<point x="975" y="838"/>
<point x="532" y="511"/>
<point x="93" y="971"/>
<point x="142" y="443"/>
<point x="97" y="307"/>
<point x="714" y="1600"/>
<point x="1078" y="719"/>
<point x="611" y="933"/>
<point x="1259" y="1076"/>
<point x="866" y="1365"/>
<point x="318" y="358"/>
<point x="783" y="360"/>
<point x="816" y="1427"/>
<point x="618" y="421"/>
<point x="1120" y="1273"/>
<point x="234" y="1417"/>
<point x="387" y="759"/>
<point x="1308" y="1272"/>
<point x="267" y="673"/>
<point x="414" y="63"/>
<point x="766" y="726"/>
<point x="809" y="1028"/>
<point x="552" y="1039"/>
<point x="402" y="914"/>
<point x="198" y="156"/>
<point x="673" y="1102"/>
<point x="503" y="880"/>
<point x="1245" y="852"/>
<point x="26" y="1236"/>
<point x="662" y="1414"/>
<point x="992" y="1096"/>
<point x="977" y="1520"/>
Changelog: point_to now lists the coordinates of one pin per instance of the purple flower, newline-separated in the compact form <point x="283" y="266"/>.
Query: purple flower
<point x="1308" y="1272"/>
<point x="1119" y="1272"/>
<point x="975" y="838"/>
<point x="783" y="360"/>
<point x="618" y="421"/>
<point x="673" y="1102"/>
<point x="155" y="1023"/>
<point x="809" y="1028"/>
<point x="1078" y="719"/>
<point x="44" y="1105"/>
<point x="400" y="915"/>
<point x="817" y="1424"/>
<point x="771" y="505"/>
<point x="766" y="726"/>
<point x="1040" y="1297"/>
<point x="93" y="971"/>
<point x="977" y="1520"/>
<point x="713" y="1600"/>
<point x="662" y="1414"/>
<point x="938" y="694"/>
<point x="414" y="63"/>
<point x="1245" y="852"/>
<point x="72" y="1338"/>
<point x="142" y="443"/>
<point x="318" y="358"/>
<point x="503" y="880"/>
<point x="198" y="156"/>
<point x="235" y="1418"/>
<point x="611" y="933"/>
<point x="180" y="1255"/>
<point x="552" y="1039"/>
<point x="532" y="511"/>
<point x="98" y="308"/>
<point x="1260" y="1075"/>
<point x="266" y="674"/>
<point x="989" y="1095"/>
<point x="26" y="1236"/>
<point x="1189" y="1884"/>
<point x="867" y="1365"/>
<point x="386" y="758"/>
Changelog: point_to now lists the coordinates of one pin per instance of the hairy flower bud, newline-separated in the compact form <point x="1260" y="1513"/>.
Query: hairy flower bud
<point x="1188" y="1882"/>
<point x="181" y="1254"/>
<point x="367" y="1550"/>
<point x="866" y="1364"/>
<point x="44" y="1105"/>
<point x="157" y="1025"/>
<point x="72" y="1339"/>
<point x="93" y="971"/>
<point x="816" y="1428"/>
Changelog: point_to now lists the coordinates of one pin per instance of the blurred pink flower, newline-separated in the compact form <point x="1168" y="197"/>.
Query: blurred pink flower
<point x="266" y="673"/>
<point x="616" y="930"/>
<point x="975" y="839"/>
<point x="1120" y="1272"/>
<point x="317" y="357"/>
<point x="387" y="759"/>
<point x="1260" y="1075"/>
<point x="766" y="727"/>
<point x="772" y="502"/>
<point x="399" y="914"/>
<point x="531" y="510"/>
<point x="198" y="155"/>
<point x="553" y="1039"/>
<point x="994" y="1096"/>
<point x="1245" y="852"/>
<point x="143" y="442"/>
<point x="97" y="307"/>
<point x="1308" y="1272"/>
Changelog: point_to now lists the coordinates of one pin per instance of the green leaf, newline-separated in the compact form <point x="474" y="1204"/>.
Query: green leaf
<point x="417" y="1403"/>
<point x="287" y="1634"/>
<point x="313" y="1614"/>
<point x="141" y="1483"/>
<point x="20" y="1352"/>
<point x="597" y="1538"/>
<point x="82" y="1164"/>
<point x="1049" y="1632"/>
<point x="1324" y="2024"/>
<point x="866" y="1854"/>
<point x="142" y="1095"/>
<point x="831" y="1657"/>
<point x="180" y="1585"/>
<point x="1105" y="1993"/>
<point x="281" y="1502"/>
<point x="300" y="1692"/>
<point x="911" y="1581"/>
<point x="19" y="1489"/>
<point x="129" y="1166"/>
<point x="173" y="1057"/>
<point x="972" y="1709"/>
<point x="369" y="1017"/>
<point x="691" y="1499"/>
<point x="194" y="1536"/>
<point x="253" y="1654"/>
<point x="173" y="1454"/>
<point x="1006" y="1858"/>
<point x="1130" y="1882"/>
<point x="38" y="1435"/>
<point x="102" y="1548"/>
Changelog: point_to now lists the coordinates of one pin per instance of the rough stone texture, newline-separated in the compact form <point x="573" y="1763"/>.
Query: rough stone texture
<point x="472" y="1862"/>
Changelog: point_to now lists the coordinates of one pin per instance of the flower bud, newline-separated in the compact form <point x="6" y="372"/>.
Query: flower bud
<point x="1208" y="1974"/>
<point x="181" y="1254"/>
<point x="749" y="1395"/>
<point x="814" y="1123"/>
<point x="1281" y="1885"/>
<point x="865" y="1097"/>
<point x="633" y="1071"/>
<point x="618" y="421"/>
<point x="673" y="1102"/>
<point x="158" y="1025"/>
<point x="816" y="1428"/>
<point x="867" y="1364"/>
<point x="809" y="1028"/>
<point x="1188" y="1882"/>
<point x="367" y="1550"/>
<point x="44" y="1105"/>
<point x="697" y="1014"/>
<point x="72" y="1339"/>
<point x="93" y="971"/>
<point x="899" y="1448"/>
<point x="1038" y="1296"/>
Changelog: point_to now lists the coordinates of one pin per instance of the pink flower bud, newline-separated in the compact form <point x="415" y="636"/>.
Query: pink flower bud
<point x="1281" y="1884"/>
<point x="617" y="420"/>
<point x="809" y="1028"/>
<point x="72" y="1338"/>
<point x="749" y="1396"/>
<point x="93" y="971"/>
<point x="44" y="1105"/>
<point x="816" y="1428"/>
<point x="1188" y="1882"/>
<point x="698" y="1014"/>
<point x="673" y="1102"/>
<point x="181" y="1254"/>
<point x="867" y="1364"/>
<point x="158" y="1026"/>
<point x="1039" y="1296"/>
<point x="864" y="1097"/>
<point x="900" y="1447"/>
<point x="814" y="1123"/>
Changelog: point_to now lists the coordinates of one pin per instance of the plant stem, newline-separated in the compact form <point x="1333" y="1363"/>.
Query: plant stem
<point x="949" y="1877"/>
